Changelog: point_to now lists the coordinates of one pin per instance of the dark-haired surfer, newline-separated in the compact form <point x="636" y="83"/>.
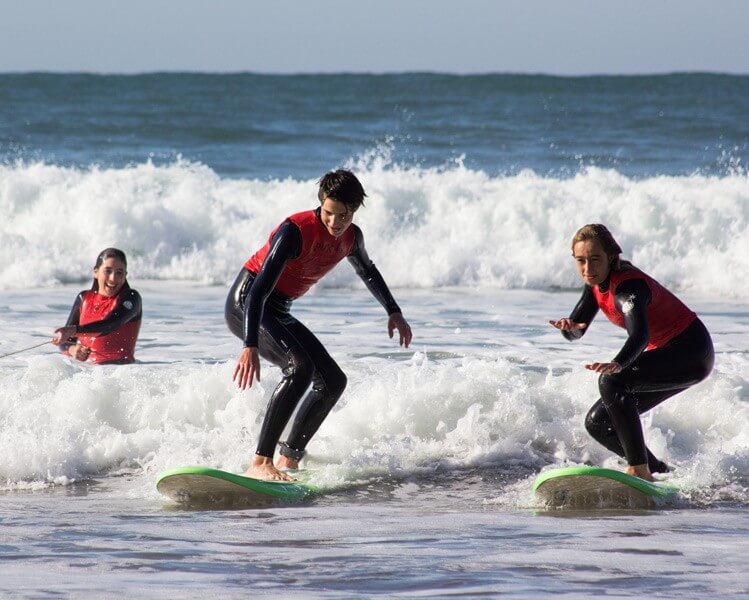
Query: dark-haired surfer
<point x="298" y="253"/>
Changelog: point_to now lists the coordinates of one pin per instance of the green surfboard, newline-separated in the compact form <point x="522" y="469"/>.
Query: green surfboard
<point x="596" y="487"/>
<point x="205" y="485"/>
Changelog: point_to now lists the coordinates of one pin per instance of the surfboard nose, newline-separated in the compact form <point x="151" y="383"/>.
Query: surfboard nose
<point x="587" y="487"/>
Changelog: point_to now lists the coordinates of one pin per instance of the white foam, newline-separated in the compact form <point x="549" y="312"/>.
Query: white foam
<point x="424" y="227"/>
<point x="507" y="392"/>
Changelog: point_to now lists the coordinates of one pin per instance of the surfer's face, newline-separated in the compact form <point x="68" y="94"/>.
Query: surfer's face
<point x="336" y="216"/>
<point x="110" y="276"/>
<point x="592" y="262"/>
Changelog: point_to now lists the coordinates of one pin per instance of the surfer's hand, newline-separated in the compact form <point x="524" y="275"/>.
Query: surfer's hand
<point x="248" y="368"/>
<point x="567" y="325"/>
<point x="63" y="334"/>
<point x="608" y="368"/>
<point x="396" y="321"/>
<point x="79" y="352"/>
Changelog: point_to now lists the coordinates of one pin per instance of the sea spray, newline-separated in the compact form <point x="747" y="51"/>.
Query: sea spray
<point x="424" y="228"/>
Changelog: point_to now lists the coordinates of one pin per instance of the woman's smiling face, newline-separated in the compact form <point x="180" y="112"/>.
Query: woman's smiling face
<point x="110" y="275"/>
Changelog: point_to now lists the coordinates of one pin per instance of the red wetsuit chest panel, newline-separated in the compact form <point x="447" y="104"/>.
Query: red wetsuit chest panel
<point x="119" y="345"/>
<point x="320" y="252"/>
<point x="667" y="316"/>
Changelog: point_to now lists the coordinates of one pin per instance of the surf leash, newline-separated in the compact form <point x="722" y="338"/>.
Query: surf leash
<point x="25" y="349"/>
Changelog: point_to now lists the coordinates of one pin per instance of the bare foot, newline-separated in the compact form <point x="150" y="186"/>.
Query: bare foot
<point x="641" y="471"/>
<point x="284" y="462"/>
<point x="262" y="468"/>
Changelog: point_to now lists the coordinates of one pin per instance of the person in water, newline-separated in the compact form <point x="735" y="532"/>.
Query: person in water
<point x="298" y="253"/>
<point x="667" y="350"/>
<point x="104" y="322"/>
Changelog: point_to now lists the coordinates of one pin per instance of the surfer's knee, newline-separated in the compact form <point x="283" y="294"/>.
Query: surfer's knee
<point x="300" y="370"/>
<point x="597" y="421"/>
<point x="612" y="386"/>
<point x="330" y="387"/>
<point x="336" y="385"/>
<point x="326" y="392"/>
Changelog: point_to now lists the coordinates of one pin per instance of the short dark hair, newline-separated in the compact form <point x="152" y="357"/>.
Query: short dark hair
<point x="342" y="186"/>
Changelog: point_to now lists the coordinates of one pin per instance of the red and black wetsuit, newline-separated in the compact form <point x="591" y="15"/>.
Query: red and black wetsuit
<point x="298" y="253"/>
<point x="667" y="350"/>
<point x="107" y="325"/>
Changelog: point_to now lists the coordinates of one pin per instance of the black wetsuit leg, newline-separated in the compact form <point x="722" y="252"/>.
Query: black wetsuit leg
<point x="303" y="360"/>
<point x="654" y="376"/>
<point x="599" y="426"/>
<point x="328" y="384"/>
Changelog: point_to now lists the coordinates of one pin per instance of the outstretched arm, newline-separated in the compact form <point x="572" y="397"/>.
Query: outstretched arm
<point x="375" y="283"/>
<point x="370" y="275"/>
<point x="574" y="327"/>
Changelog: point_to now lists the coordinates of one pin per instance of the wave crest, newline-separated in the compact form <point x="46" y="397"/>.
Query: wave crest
<point x="424" y="227"/>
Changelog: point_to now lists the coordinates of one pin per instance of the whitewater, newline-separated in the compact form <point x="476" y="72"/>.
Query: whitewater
<point x="457" y="226"/>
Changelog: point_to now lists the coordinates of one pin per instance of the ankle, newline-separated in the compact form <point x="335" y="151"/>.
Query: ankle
<point x="642" y="471"/>
<point x="259" y="460"/>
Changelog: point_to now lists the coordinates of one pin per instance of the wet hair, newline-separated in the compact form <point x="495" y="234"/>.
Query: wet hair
<point x="342" y="186"/>
<point x="596" y="231"/>
<point x="104" y="255"/>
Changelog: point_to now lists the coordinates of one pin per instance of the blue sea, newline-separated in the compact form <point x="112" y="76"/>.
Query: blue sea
<point x="475" y="187"/>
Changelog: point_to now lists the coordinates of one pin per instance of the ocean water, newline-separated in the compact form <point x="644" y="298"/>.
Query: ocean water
<point x="475" y="187"/>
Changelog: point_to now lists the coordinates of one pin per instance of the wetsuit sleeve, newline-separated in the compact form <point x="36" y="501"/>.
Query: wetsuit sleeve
<point x="370" y="275"/>
<point x="73" y="319"/>
<point x="584" y="312"/>
<point x="632" y="299"/>
<point x="128" y="307"/>
<point x="285" y="245"/>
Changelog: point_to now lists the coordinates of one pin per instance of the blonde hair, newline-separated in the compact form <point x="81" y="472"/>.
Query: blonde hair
<point x="599" y="232"/>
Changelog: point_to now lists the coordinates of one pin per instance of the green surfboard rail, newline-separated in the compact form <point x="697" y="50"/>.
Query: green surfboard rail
<point x="654" y="490"/>
<point x="282" y="490"/>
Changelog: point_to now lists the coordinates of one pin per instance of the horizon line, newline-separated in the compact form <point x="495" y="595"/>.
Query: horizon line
<point x="376" y="73"/>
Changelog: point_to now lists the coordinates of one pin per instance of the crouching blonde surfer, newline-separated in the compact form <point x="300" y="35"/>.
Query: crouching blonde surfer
<point x="667" y="349"/>
<point x="298" y="253"/>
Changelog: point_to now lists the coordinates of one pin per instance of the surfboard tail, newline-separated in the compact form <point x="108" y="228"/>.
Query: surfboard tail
<point x="205" y="486"/>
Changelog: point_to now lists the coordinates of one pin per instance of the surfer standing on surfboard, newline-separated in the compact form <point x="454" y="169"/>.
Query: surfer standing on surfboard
<point x="668" y="349"/>
<point x="105" y="320"/>
<point x="298" y="253"/>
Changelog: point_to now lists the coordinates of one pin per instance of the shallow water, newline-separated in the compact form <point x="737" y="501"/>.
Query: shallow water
<point x="93" y="540"/>
<point x="427" y="462"/>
